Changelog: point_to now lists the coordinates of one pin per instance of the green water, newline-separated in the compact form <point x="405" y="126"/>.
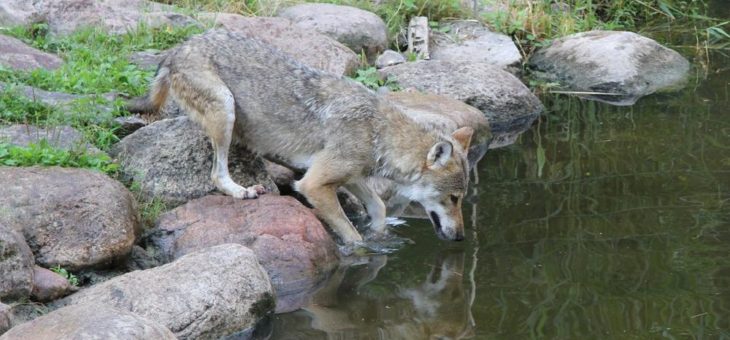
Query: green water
<point x="601" y="222"/>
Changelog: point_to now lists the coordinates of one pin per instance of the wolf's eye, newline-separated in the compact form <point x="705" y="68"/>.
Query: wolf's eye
<point x="454" y="199"/>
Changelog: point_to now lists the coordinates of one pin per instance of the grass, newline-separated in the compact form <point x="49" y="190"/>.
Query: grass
<point x="46" y="155"/>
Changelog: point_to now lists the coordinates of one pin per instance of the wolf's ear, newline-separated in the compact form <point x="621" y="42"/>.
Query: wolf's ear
<point x="439" y="155"/>
<point x="463" y="136"/>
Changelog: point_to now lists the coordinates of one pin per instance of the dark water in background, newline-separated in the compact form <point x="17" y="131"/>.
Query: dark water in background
<point x="621" y="231"/>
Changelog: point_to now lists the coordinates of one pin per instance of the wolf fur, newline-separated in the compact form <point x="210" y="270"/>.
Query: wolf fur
<point x="337" y="130"/>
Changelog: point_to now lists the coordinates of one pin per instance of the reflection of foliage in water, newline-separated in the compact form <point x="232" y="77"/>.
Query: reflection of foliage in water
<point x="620" y="230"/>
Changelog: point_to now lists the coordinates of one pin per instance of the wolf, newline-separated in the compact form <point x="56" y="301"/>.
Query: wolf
<point x="335" y="130"/>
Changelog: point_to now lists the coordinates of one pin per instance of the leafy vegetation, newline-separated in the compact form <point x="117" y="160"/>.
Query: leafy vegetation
<point x="72" y="279"/>
<point x="46" y="155"/>
<point x="370" y="77"/>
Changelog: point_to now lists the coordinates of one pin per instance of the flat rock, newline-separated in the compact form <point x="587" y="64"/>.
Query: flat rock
<point x="206" y="294"/>
<point x="49" y="286"/>
<point x="73" y="218"/>
<point x="89" y="321"/>
<point x="305" y="45"/>
<point x="389" y="58"/>
<point x="59" y="100"/>
<point x="15" y="54"/>
<point x="619" y="67"/>
<point x="171" y="159"/>
<point x="16" y="265"/>
<point x="116" y="16"/>
<point x="508" y="105"/>
<point x="469" y="40"/>
<point x="289" y="241"/>
<point x="59" y="137"/>
<point x="360" y="30"/>
<point x="147" y="60"/>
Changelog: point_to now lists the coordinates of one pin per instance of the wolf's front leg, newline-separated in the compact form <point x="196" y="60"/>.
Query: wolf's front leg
<point x="372" y="202"/>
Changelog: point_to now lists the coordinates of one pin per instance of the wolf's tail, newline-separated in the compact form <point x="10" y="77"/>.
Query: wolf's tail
<point x="153" y="100"/>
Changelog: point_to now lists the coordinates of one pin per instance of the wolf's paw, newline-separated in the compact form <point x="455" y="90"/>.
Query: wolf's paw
<point x="251" y="192"/>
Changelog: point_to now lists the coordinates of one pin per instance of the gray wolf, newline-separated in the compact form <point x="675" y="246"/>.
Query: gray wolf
<point x="336" y="130"/>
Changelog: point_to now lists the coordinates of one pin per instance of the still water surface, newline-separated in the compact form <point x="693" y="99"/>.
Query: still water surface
<point x="601" y="222"/>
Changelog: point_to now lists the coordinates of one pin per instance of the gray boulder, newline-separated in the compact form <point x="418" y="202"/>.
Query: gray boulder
<point x="89" y="321"/>
<point x="305" y="45"/>
<point x="508" y="104"/>
<point x="289" y="241"/>
<point x="473" y="42"/>
<point x="360" y="30"/>
<point x="389" y="58"/>
<point x="171" y="159"/>
<point x="15" y="54"/>
<point x="60" y="137"/>
<point x="613" y="67"/>
<point x="206" y="294"/>
<point x="16" y="265"/>
<point x="116" y="16"/>
<point x="49" y="286"/>
<point x="73" y="218"/>
<point x="16" y="12"/>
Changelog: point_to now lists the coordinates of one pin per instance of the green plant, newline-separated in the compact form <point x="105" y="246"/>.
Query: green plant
<point x="71" y="278"/>
<point x="45" y="155"/>
<point x="371" y="78"/>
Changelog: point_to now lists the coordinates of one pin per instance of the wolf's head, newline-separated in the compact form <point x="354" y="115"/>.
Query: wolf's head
<point x="442" y="184"/>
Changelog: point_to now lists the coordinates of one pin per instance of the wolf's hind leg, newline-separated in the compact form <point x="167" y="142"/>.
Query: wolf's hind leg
<point x="373" y="204"/>
<point x="211" y="103"/>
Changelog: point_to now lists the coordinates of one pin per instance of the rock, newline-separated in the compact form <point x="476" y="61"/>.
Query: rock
<point x="360" y="30"/>
<point x="289" y="241"/>
<point x="146" y="59"/>
<point x="309" y="47"/>
<point x="624" y="65"/>
<point x="59" y="100"/>
<point x="507" y="103"/>
<point x="16" y="13"/>
<point x="17" y="55"/>
<point x="282" y="176"/>
<point x="89" y="321"/>
<point x="49" y="286"/>
<point x="116" y="16"/>
<point x="73" y="218"/>
<point x="16" y="264"/>
<point x="203" y="295"/>
<point x="60" y="137"/>
<point x="389" y="58"/>
<point x="419" y="37"/>
<point x="129" y="124"/>
<point x="468" y="40"/>
<point x="171" y="159"/>
<point x="5" y="318"/>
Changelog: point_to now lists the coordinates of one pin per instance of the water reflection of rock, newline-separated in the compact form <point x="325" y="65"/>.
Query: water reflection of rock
<point x="354" y="306"/>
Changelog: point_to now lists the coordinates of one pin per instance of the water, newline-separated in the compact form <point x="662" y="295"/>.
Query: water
<point x="621" y="231"/>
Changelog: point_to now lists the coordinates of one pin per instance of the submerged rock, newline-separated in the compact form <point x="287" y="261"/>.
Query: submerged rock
<point x="171" y="159"/>
<point x="15" y="54"/>
<point x="360" y="30"/>
<point x="469" y="40"/>
<point x="305" y="45"/>
<point x="206" y="294"/>
<point x="73" y="218"/>
<point x="289" y="241"/>
<point x="508" y="105"/>
<point x="89" y="321"/>
<point x="619" y="67"/>
<point x="16" y="265"/>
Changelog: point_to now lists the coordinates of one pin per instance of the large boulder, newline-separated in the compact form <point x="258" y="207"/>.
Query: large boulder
<point x="16" y="13"/>
<point x="116" y="16"/>
<point x="360" y="30"/>
<point x="171" y="160"/>
<point x="89" y="321"/>
<point x="613" y="67"/>
<point x="206" y="294"/>
<point x="305" y="45"/>
<point x="471" y="41"/>
<point x="73" y="218"/>
<point x="289" y="241"/>
<point x="17" y="55"/>
<point x="16" y="264"/>
<point x="60" y="137"/>
<point x="510" y="107"/>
